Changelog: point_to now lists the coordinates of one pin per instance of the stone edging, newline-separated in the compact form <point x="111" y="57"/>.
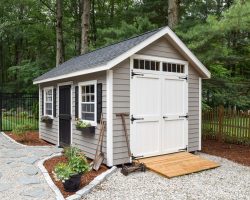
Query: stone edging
<point x="97" y="180"/>
<point x="23" y="145"/>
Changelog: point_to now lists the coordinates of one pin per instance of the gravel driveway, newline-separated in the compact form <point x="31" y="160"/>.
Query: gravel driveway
<point x="20" y="178"/>
<point x="230" y="181"/>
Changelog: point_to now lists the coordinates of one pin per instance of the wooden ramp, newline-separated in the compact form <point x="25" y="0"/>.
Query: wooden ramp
<point x="178" y="164"/>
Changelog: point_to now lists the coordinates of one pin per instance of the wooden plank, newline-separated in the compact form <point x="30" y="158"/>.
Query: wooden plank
<point x="177" y="164"/>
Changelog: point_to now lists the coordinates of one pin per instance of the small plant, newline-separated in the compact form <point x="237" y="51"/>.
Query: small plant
<point x="69" y="152"/>
<point x="82" y="124"/>
<point x="63" y="172"/>
<point x="70" y="173"/>
<point x="22" y="130"/>
<point x="46" y="119"/>
<point x="23" y="114"/>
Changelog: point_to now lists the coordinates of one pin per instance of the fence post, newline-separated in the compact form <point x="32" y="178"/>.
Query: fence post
<point x="221" y="117"/>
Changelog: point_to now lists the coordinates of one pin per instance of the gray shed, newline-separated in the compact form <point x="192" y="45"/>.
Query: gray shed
<point x="154" y="77"/>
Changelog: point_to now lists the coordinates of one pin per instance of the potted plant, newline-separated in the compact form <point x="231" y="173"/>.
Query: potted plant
<point x="47" y="119"/>
<point x="84" y="126"/>
<point x="70" y="173"/>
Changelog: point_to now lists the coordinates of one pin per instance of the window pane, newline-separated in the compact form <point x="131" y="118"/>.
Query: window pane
<point x="157" y="66"/>
<point x="169" y="67"/>
<point x="136" y="64"/>
<point x="48" y="112"/>
<point x="88" y="116"/>
<point x="88" y="89"/>
<point x="164" y="67"/>
<point x="92" y="98"/>
<point x="182" y="68"/>
<point x="152" y="65"/>
<point x="178" y="68"/>
<point x="173" y="67"/>
<point x="147" y="64"/>
<point x="49" y="106"/>
<point x="92" y="108"/>
<point x="92" y="89"/>
<point x="141" y="64"/>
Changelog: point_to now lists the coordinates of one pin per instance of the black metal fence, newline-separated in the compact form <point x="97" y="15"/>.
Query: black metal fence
<point x="18" y="109"/>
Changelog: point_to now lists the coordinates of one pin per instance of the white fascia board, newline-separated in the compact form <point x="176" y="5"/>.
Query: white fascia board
<point x="200" y="112"/>
<point x="73" y="74"/>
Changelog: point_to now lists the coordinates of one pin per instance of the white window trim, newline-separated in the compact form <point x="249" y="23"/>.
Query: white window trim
<point x="44" y="101"/>
<point x="80" y="84"/>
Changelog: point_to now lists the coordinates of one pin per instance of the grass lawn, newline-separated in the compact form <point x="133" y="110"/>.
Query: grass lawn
<point x="8" y="123"/>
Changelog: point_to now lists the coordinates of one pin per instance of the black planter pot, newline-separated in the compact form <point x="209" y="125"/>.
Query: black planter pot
<point x="73" y="183"/>
<point x="87" y="130"/>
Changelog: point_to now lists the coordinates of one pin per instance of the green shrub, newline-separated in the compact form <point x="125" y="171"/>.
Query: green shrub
<point x="82" y="124"/>
<point x="63" y="172"/>
<point x="22" y="129"/>
<point x="77" y="164"/>
<point x="23" y="114"/>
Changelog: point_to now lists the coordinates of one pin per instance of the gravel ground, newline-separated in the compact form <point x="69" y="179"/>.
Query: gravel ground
<point x="20" y="178"/>
<point x="230" y="181"/>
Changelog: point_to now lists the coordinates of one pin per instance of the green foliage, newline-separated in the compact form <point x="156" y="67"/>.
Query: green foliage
<point x="35" y="110"/>
<point x="77" y="164"/>
<point x="63" y="172"/>
<point x="23" y="114"/>
<point x="82" y="124"/>
<point x="22" y="129"/>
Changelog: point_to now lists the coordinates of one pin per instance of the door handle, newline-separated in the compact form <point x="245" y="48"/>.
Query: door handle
<point x="133" y="118"/>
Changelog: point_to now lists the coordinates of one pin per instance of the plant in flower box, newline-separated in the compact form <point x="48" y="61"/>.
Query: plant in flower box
<point x="47" y="119"/>
<point x="84" y="126"/>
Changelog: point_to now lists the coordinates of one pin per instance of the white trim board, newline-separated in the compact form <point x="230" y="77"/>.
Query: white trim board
<point x="165" y="31"/>
<point x="200" y="111"/>
<point x="109" y="120"/>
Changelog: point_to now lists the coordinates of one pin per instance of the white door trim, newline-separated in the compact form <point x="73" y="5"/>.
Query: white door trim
<point x="109" y="123"/>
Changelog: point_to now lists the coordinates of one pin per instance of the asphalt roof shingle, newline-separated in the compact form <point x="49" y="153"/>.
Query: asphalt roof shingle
<point x="96" y="58"/>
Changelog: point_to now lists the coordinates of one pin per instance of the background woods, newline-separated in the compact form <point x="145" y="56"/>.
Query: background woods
<point x="37" y="35"/>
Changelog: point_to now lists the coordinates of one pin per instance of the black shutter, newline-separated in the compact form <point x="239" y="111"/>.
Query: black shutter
<point x="54" y="102"/>
<point x="76" y="102"/>
<point x="99" y="101"/>
<point x="42" y="102"/>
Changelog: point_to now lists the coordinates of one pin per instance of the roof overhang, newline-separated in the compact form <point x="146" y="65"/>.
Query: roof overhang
<point x="165" y="31"/>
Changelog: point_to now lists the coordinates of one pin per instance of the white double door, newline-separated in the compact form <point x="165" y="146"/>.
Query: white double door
<point x="158" y="112"/>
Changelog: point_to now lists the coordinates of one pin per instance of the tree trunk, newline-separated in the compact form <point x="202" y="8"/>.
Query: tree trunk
<point x="173" y="13"/>
<point x="59" y="34"/>
<point x="85" y="26"/>
<point x="94" y="24"/>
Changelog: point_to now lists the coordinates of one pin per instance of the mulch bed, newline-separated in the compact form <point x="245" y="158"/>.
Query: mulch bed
<point x="234" y="152"/>
<point x="32" y="139"/>
<point x="85" y="180"/>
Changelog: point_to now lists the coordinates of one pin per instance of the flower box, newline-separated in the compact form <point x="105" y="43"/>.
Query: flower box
<point x="90" y="129"/>
<point x="46" y="119"/>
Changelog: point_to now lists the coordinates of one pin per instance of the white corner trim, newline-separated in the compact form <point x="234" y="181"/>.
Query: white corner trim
<point x="109" y="120"/>
<point x="200" y="110"/>
<point x="39" y="111"/>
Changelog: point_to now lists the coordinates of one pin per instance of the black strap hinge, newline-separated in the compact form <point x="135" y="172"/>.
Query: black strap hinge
<point x="185" y="78"/>
<point x="136" y="74"/>
<point x="133" y="119"/>
<point x="184" y="116"/>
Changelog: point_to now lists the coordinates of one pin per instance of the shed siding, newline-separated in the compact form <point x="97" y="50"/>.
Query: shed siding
<point x="86" y="142"/>
<point x="161" y="48"/>
<point x="48" y="132"/>
<point x="193" y="109"/>
<point x="121" y="98"/>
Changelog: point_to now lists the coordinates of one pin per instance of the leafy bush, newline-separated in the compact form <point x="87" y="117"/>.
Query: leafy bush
<point x="22" y="129"/>
<point x="63" y="172"/>
<point x="23" y="114"/>
<point x="77" y="164"/>
<point x="82" y="124"/>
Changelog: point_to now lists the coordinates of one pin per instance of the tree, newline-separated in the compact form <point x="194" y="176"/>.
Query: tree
<point x="173" y="13"/>
<point x="85" y="26"/>
<point x="59" y="33"/>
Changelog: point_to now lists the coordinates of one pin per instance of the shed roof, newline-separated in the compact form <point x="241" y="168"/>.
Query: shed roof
<point x="106" y="57"/>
